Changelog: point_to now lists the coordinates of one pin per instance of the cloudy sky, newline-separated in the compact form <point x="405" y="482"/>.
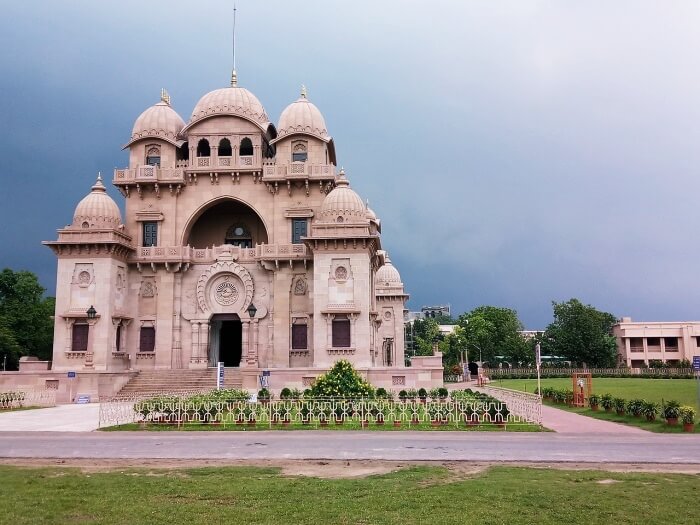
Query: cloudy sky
<point x="517" y="152"/>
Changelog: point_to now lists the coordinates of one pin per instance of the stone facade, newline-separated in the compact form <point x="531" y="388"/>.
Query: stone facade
<point x="226" y="216"/>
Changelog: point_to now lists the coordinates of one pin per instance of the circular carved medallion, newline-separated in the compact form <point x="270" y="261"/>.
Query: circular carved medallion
<point x="387" y="315"/>
<point x="226" y="293"/>
<point x="341" y="273"/>
<point x="84" y="277"/>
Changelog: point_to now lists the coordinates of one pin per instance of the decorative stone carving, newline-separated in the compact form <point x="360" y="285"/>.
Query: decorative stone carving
<point x="84" y="278"/>
<point x="300" y="287"/>
<point x="148" y="289"/>
<point x="228" y="269"/>
<point x="341" y="273"/>
<point x="387" y="315"/>
<point x="226" y="292"/>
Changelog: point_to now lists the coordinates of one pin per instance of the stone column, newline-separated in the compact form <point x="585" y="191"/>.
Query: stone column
<point x="204" y="343"/>
<point x="194" y="356"/>
<point x="176" y="357"/>
<point x="244" y="341"/>
<point x="253" y="355"/>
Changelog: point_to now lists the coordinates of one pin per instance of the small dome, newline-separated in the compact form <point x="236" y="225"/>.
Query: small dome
<point x="303" y="117"/>
<point x="342" y="203"/>
<point x="160" y="121"/>
<point x="370" y="214"/>
<point x="387" y="274"/>
<point x="234" y="100"/>
<point x="97" y="209"/>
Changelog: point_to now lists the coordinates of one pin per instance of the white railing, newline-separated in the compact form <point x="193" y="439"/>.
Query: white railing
<point x="27" y="398"/>
<point x="527" y="406"/>
<point x="549" y="371"/>
<point x="178" y="410"/>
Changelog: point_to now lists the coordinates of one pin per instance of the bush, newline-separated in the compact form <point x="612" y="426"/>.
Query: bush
<point x="422" y="393"/>
<point x="342" y="381"/>
<point x="285" y="393"/>
<point x="687" y="415"/>
<point x="671" y="410"/>
<point x="403" y="395"/>
<point x="650" y="410"/>
<point x="636" y="407"/>
<point x="593" y="400"/>
<point x="606" y="401"/>
<point x="382" y="393"/>
<point x="619" y="404"/>
<point x="434" y="394"/>
<point x="443" y="393"/>
<point x="264" y="394"/>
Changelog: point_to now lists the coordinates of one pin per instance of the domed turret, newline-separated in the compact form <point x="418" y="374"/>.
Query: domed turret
<point x="97" y="209"/>
<point x="342" y="203"/>
<point x="302" y="117"/>
<point x="160" y="121"/>
<point x="388" y="275"/>
<point x="235" y="101"/>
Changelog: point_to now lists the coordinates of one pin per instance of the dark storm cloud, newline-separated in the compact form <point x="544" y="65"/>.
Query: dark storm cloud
<point x="516" y="152"/>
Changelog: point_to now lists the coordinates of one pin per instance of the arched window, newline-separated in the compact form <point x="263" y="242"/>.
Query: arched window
<point x="299" y="151"/>
<point x="153" y="155"/>
<point x="225" y="148"/>
<point x="238" y="235"/>
<point x="183" y="152"/>
<point x="246" y="147"/>
<point x="203" y="149"/>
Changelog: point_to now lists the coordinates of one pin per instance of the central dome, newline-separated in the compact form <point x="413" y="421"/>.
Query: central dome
<point x="235" y="101"/>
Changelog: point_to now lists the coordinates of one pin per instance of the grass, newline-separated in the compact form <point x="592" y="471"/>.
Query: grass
<point x="413" y="496"/>
<point x="514" y="427"/>
<point x="685" y="391"/>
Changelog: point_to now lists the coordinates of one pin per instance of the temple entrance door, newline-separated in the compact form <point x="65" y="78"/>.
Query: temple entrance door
<point x="227" y="340"/>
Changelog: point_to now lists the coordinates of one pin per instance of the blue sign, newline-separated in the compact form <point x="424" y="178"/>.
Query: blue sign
<point x="71" y="375"/>
<point x="82" y="400"/>
<point x="266" y="373"/>
<point x="220" y="375"/>
<point x="696" y="363"/>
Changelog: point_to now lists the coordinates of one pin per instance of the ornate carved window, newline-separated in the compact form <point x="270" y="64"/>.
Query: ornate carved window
<point x="153" y="155"/>
<point x="299" y="151"/>
<point x="341" y="332"/>
<point x="225" y="149"/>
<point x="79" y="340"/>
<point x="203" y="149"/>
<point x="238" y="235"/>
<point x="147" y="339"/>
<point x="246" y="147"/>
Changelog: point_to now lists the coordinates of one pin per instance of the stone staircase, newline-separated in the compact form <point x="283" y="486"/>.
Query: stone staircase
<point x="179" y="381"/>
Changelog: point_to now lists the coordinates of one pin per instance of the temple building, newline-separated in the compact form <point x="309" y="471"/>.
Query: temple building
<point x="241" y="243"/>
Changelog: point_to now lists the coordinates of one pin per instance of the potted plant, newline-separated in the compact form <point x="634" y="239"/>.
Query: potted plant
<point x="443" y="393"/>
<point x="422" y="395"/>
<point x="402" y="396"/>
<point x="606" y="401"/>
<point x="264" y="396"/>
<point x="594" y="401"/>
<point x="671" y="411"/>
<point x="434" y="394"/>
<point x="636" y="407"/>
<point x="650" y="410"/>
<point x="619" y="405"/>
<point x="285" y="393"/>
<point x="688" y="417"/>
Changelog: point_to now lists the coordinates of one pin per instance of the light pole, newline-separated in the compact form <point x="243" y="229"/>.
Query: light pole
<point x="4" y="363"/>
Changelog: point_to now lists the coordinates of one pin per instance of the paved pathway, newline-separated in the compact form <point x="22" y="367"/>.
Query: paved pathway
<point x="63" y="418"/>
<point x="366" y="445"/>
<point x="568" y="422"/>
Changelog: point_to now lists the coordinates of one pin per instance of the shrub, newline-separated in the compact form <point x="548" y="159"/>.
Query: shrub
<point x="636" y="407"/>
<point x="434" y="394"/>
<point x="411" y="393"/>
<point x="264" y="394"/>
<point x="671" y="410"/>
<point x="650" y="410"/>
<point x="443" y="393"/>
<point x="688" y="415"/>
<point x="593" y="400"/>
<point x="606" y="401"/>
<point x="285" y="393"/>
<point x="342" y="381"/>
<point x="403" y="395"/>
<point x="422" y="393"/>
<point x="383" y="394"/>
<point x="619" y="404"/>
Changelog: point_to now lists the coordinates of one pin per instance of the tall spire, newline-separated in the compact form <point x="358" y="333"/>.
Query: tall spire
<point x="165" y="96"/>
<point x="234" y="76"/>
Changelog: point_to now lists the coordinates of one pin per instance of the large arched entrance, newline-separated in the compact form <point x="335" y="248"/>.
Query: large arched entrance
<point x="225" y="221"/>
<point x="226" y="343"/>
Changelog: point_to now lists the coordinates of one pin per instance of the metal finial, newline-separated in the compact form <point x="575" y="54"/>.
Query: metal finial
<point x="303" y="91"/>
<point x="234" y="78"/>
<point x="165" y="96"/>
<point x="99" y="175"/>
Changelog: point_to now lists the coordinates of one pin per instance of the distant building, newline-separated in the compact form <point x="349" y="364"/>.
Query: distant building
<point x="435" y="311"/>
<point x="668" y="342"/>
<point x="530" y="334"/>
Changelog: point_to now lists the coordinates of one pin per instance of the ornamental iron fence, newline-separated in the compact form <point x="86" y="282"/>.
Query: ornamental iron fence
<point x="315" y="412"/>
<point x="548" y="371"/>
<point x="27" y="398"/>
<point x="525" y="405"/>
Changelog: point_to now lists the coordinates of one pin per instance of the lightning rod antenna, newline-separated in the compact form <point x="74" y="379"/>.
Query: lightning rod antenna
<point x="234" y="77"/>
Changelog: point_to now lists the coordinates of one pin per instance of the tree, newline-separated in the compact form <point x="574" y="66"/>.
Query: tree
<point x="26" y="327"/>
<point x="452" y="347"/>
<point x="490" y="331"/>
<point x="424" y="333"/>
<point x="582" y="334"/>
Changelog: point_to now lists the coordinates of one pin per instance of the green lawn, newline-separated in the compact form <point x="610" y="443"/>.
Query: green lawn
<point x="414" y="496"/>
<point x="685" y="391"/>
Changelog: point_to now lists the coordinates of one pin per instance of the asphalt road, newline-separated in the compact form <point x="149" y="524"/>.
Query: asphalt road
<point x="318" y="445"/>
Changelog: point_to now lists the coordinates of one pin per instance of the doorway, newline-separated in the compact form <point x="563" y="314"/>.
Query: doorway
<point x="226" y="341"/>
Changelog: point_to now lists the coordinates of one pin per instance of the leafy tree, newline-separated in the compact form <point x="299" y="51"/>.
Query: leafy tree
<point x="424" y="333"/>
<point x="26" y="327"/>
<point x="582" y="334"/>
<point x="452" y="347"/>
<point x="342" y="380"/>
<point x="490" y="331"/>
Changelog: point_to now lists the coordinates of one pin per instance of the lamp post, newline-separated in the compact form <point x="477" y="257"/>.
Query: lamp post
<point x="252" y="310"/>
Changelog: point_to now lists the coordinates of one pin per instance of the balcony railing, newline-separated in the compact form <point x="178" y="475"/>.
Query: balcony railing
<point x="225" y="163"/>
<point x="189" y="254"/>
<point x="298" y="170"/>
<point x="146" y="174"/>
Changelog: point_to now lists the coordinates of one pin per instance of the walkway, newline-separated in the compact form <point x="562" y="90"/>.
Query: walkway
<point x="567" y="422"/>
<point x="63" y="418"/>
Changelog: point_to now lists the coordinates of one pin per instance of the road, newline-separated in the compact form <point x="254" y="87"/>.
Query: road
<point x="391" y="446"/>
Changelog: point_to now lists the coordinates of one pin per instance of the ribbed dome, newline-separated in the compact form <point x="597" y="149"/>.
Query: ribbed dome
<point x="97" y="209"/>
<point x="387" y="274"/>
<point x="159" y="121"/>
<point x="233" y="100"/>
<point x="371" y="215"/>
<point x="302" y="116"/>
<point x="342" y="203"/>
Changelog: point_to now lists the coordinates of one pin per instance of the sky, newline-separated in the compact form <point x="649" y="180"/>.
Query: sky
<point x="517" y="153"/>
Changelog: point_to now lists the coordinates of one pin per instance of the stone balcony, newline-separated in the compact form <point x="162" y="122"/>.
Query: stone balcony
<point x="174" y="258"/>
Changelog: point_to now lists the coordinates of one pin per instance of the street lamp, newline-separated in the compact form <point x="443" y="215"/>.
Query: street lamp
<point x="91" y="312"/>
<point x="252" y="310"/>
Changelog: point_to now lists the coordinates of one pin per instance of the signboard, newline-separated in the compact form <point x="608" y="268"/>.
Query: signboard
<point x="82" y="400"/>
<point x="71" y="375"/>
<point x="219" y="375"/>
<point x="538" y="355"/>
<point x="265" y="380"/>
<point x="696" y="363"/>
<point x="266" y="373"/>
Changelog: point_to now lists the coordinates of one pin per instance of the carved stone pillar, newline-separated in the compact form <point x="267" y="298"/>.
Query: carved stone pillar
<point x="253" y="354"/>
<point x="244" y="341"/>
<point x="204" y="342"/>
<point x="176" y="355"/>
<point x="194" y="356"/>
